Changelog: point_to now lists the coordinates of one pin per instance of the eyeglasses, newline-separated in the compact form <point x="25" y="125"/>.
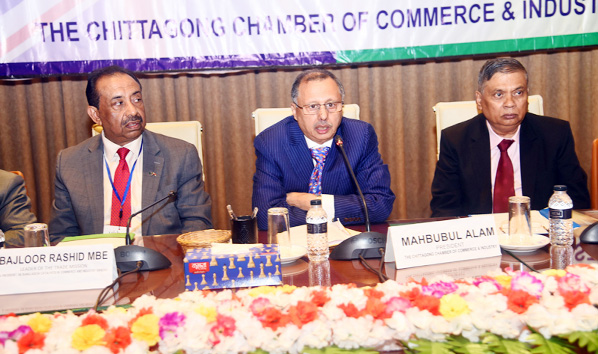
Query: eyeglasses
<point x="331" y="107"/>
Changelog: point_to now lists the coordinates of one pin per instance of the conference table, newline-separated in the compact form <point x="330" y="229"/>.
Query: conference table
<point x="169" y="283"/>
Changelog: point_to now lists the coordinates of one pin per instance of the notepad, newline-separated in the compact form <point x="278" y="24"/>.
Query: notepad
<point x="116" y="240"/>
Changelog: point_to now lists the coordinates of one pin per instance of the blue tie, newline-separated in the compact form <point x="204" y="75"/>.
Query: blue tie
<point x="315" y="182"/>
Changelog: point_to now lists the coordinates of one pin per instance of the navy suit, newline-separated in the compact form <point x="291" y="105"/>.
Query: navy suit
<point x="462" y="182"/>
<point x="284" y="164"/>
<point x="168" y="165"/>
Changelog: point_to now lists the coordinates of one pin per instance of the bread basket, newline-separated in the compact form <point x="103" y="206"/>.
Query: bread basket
<point x="203" y="238"/>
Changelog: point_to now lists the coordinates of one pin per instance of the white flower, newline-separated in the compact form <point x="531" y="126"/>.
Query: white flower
<point x="585" y="317"/>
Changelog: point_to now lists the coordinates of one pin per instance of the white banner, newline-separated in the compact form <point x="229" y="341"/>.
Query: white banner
<point x="68" y="36"/>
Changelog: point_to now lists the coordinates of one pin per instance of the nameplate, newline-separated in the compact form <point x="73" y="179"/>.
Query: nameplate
<point x="442" y="241"/>
<point x="44" y="269"/>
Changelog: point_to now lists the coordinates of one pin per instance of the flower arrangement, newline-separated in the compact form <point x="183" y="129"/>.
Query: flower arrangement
<point x="503" y="312"/>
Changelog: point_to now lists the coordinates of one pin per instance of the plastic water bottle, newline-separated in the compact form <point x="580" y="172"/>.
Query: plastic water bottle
<point x="317" y="232"/>
<point x="561" y="224"/>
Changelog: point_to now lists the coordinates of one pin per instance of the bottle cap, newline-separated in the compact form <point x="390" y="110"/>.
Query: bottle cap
<point x="316" y="202"/>
<point x="560" y="187"/>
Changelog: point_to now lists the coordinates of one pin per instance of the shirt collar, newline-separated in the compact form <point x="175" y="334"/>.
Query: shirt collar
<point x="110" y="148"/>
<point x="313" y="144"/>
<point x="495" y="139"/>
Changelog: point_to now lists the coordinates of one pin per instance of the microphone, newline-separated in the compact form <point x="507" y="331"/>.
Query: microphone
<point x="366" y="244"/>
<point x="129" y="255"/>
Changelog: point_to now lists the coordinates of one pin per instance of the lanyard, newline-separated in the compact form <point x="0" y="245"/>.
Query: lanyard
<point x="122" y="201"/>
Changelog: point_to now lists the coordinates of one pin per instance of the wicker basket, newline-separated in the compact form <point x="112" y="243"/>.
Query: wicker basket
<point x="202" y="239"/>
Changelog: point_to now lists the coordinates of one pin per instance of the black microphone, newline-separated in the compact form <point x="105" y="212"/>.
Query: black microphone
<point x="128" y="256"/>
<point x="366" y="244"/>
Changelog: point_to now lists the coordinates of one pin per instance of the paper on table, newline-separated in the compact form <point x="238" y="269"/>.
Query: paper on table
<point x="336" y="234"/>
<point x="115" y="240"/>
<point x="539" y="223"/>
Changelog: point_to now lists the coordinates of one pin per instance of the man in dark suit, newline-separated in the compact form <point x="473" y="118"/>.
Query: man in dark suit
<point x="287" y="170"/>
<point x="539" y="151"/>
<point x="15" y="208"/>
<point x="97" y="189"/>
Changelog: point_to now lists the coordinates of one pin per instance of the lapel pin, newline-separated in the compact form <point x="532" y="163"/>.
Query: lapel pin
<point x="153" y="174"/>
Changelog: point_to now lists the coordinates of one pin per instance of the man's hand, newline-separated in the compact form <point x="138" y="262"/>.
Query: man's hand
<point x="300" y="200"/>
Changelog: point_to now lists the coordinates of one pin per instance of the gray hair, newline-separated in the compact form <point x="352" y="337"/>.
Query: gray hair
<point x="315" y="75"/>
<point x="499" y="65"/>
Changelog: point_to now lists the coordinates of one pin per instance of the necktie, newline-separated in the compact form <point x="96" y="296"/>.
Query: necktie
<point x="504" y="184"/>
<point x="121" y="211"/>
<point x="315" y="182"/>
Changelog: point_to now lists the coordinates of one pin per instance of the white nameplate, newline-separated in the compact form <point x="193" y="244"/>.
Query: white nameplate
<point x="442" y="241"/>
<point x="43" y="269"/>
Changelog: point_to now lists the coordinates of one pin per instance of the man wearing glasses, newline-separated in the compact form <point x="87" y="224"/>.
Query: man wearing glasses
<point x="297" y="160"/>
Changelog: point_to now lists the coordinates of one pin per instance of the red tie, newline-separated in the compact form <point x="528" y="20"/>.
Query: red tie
<point x="504" y="185"/>
<point x="119" y="217"/>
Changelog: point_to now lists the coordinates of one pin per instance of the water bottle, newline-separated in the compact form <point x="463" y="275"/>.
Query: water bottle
<point x="561" y="224"/>
<point x="317" y="232"/>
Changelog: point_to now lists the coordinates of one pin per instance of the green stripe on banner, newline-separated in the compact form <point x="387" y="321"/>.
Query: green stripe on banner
<point x="449" y="50"/>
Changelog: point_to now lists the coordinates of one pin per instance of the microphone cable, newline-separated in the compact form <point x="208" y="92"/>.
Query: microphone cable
<point x="103" y="296"/>
<point x="518" y="259"/>
<point x="379" y="272"/>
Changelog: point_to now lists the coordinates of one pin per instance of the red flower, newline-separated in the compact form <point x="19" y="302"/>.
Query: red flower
<point x="411" y="295"/>
<point x="519" y="301"/>
<point x="373" y="293"/>
<point x="95" y="319"/>
<point x="574" y="298"/>
<point x="427" y="302"/>
<point x="31" y="340"/>
<point x="303" y="313"/>
<point x="319" y="298"/>
<point x="225" y="326"/>
<point x="376" y="308"/>
<point x="273" y="318"/>
<point x="117" y="339"/>
<point x="350" y="310"/>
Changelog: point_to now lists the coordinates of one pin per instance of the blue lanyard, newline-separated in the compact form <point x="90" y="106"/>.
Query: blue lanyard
<point x="122" y="201"/>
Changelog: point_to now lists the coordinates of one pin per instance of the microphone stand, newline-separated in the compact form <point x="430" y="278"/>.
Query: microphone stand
<point x="367" y="244"/>
<point x="130" y="257"/>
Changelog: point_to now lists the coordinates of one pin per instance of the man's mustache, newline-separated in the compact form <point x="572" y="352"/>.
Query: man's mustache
<point x="133" y="119"/>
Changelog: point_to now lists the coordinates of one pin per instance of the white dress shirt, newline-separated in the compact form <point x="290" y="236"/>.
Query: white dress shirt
<point x="327" y="199"/>
<point x="512" y="151"/>
<point x="112" y="158"/>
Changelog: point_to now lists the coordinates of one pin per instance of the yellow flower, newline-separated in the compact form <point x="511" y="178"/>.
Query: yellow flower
<point x="264" y="290"/>
<point x="208" y="312"/>
<point x="40" y="323"/>
<point x="146" y="329"/>
<point x="86" y="337"/>
<point x="453" y="305"/>
<point x="115" y="310"/>
<point x="288" y="288"/>
<point x="555" y="272"/>
<point x="504" y="280"/>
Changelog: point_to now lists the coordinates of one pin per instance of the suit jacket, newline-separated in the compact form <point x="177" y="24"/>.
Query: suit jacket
<point x="284" y="164"/>
<point x="168" y="165"/>
<point x="15" y="208"/>
<point x="462" y="182"/>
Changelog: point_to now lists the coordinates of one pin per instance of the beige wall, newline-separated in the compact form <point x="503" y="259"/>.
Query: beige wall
<point x="40" y="117"/>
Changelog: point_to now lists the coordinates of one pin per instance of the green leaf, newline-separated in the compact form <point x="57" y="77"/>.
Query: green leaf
<point x="505" y="346"/>
<point x="588" y="340"/>
<point x="337" y="350"/>
<point x="426" y="347"/>
<point x="553" y="345"/>
<point x="462" y="345"/>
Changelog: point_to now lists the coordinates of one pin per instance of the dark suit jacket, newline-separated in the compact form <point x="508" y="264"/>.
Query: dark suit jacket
<point x="462" y="181"/>
<point x="284" y="164"/>
<point x="15" y="208"/>
<point x="168" y="165"/>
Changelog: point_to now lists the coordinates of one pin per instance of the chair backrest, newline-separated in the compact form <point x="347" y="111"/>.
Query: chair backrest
<point x="265" y="117"/>
<point x="189" y="131"/>
<point x="451" y="113"/>
<point x="594" y="176"/>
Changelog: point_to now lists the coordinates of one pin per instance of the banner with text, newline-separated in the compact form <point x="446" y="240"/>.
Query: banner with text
<point x="76" y="36"/>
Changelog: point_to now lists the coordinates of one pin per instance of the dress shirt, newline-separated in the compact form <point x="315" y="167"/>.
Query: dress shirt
<point x="111" y="156"/>
<point x="327" y="199"/>
<point x="512" y="151"/>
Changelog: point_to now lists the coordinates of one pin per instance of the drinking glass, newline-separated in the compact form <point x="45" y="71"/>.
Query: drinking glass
<point x="278" y="228"/>
<point x="520" y="226"/>
<point x="36" y="235"/>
